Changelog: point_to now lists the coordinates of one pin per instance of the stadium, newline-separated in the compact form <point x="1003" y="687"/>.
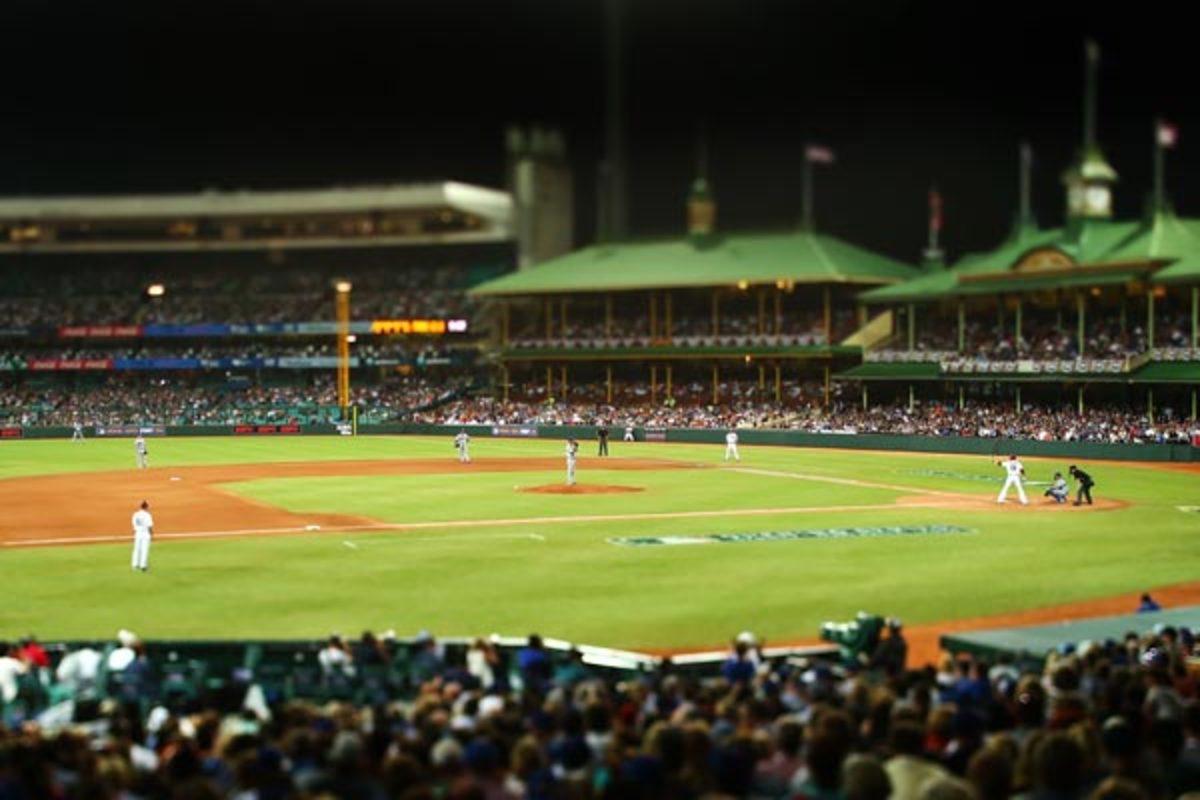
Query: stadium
<point x="721" y="513"/>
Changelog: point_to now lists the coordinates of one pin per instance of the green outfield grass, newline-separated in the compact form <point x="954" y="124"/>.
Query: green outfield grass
<point x="458" y="574"/>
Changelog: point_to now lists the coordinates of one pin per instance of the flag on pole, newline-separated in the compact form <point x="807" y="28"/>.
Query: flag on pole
<point x="817" y="154"/>
<point x="935" y="210"/>
<point x="1168" y="134"/>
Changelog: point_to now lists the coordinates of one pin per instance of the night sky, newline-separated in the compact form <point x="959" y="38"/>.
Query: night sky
<point x="128" y="97"/>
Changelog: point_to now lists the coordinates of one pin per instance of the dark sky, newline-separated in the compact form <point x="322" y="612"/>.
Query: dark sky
<point x="178" y="96"/>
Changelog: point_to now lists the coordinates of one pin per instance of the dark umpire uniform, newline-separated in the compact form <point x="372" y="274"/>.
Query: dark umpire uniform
<point x="1085" y="485"/>
<point x="602" y="435"/>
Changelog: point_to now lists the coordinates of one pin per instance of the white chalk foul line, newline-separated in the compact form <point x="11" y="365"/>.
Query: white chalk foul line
<point x="800" y="476"/>
<point x="485" y="523"/>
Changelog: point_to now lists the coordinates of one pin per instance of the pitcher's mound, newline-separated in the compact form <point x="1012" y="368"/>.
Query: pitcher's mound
<point x="581" y="488"/>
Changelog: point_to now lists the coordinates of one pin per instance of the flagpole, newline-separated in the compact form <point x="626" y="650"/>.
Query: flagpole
<point x="806" y="189"/>
<point x="1159" y="165"/>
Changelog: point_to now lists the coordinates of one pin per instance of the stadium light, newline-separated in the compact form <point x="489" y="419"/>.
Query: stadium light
<point x="352" y="338"/>
<point x="343" y="287"/>
<point x="156" y="290"/>
<point x="743" y="285"/>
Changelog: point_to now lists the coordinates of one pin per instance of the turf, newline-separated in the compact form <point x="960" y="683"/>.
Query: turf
<point x="460" y="575"/>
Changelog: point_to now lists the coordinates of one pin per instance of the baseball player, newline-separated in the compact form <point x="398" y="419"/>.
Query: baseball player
<point x="143" y="532"/>
<point x="463" y="442"/>
<point x="731" y="440"/>
<point x="629" y="433"/>
<point x="1015" y="472"/>
<point x="1058" y="489"/>
<point x="1085" y="485"/>
<point x="140" y="452"/>
<point x="572" y="451"/>
<point x="602" y="437"/>
<point x="77" y="432"/>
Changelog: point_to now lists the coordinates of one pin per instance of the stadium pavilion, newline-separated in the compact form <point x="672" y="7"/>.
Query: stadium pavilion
<point x="712" y="309"/>
<point x="1100" y="308"/>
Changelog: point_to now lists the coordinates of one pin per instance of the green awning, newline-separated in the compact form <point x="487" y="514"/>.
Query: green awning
<point x="876" y="371"/>
<point x="1168" y="372"/>
<point x="1037" y="283"/>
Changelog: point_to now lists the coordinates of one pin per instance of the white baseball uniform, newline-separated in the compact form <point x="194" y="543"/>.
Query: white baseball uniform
<point x="572" y="449"/>
<point x="140" y="452"/>
<point x="77" y="432"/>
<point x="1014" y="470"/>
<point x="463" y="442"/>
<point x="731" y="450"/>
<point x="143" y="529"/>
<point x="629" y="433"/>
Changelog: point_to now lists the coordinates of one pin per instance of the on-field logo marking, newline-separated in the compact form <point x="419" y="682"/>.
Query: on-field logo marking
<point x="784" y="536"/>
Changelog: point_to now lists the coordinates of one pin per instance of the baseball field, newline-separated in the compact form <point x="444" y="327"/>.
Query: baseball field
<point x="659" y="547"/>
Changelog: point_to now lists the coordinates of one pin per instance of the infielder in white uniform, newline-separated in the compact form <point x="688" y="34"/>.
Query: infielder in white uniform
<point x="143" y="531"/>
<point x="731" y="446"/>
<point x="463" y="442"/>
<point x="572" y="450"/>
<point x="77" y="432"/>
<point x="1015" y="472"/>
<point x="140" y="451"/>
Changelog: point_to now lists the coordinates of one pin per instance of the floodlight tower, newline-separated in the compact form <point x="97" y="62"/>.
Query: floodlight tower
<point x="343" y="344"/>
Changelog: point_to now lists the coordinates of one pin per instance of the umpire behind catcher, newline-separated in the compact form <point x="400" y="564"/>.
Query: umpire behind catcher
<point x="1085" y="485"/>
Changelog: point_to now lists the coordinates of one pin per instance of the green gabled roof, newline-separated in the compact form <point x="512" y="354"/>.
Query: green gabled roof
<point x="1105" y="253"/>
<point x="720" y="260"/>
<point x="1180" y="239"/>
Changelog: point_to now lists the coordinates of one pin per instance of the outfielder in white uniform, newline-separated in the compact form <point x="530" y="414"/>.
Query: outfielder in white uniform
<point x="77" y="432"/>
<point x="572" y="450"/>
<point x="731" y="440"/>
<point x="463" y="442"/>
<point x="140" y="451"/>
<point x="1015" y="472"/>
<point x="143" y="531"/>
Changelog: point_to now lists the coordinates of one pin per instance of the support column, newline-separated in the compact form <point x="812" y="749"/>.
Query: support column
<point x="1124" y="315"/>
<point x="1017" y="332"/>
<point x="562" y="379"/>
<point x="653" y="385"/>
<point x="562" y="317"/>
<point x="864" y="388"/>
<point x="778" y="312"/>
<point x="1149" y="318"/>
<point x="962" y="326"/>
<point x="912" y="398"/>
<point x="827" y="303"/>
<point x="608" y="320"/>
<point x="608" y="384"/>
<point x="667" y="323"/>
<point x="548" y="313"/>
<point x="912" y="327"/>
<point x="1150" y="405"/>
<point x="1193" y="405"/>
<point x="779" y="389"/>
<point x="762" y="311"/>
<point x="549" y="382"/>
<point x="1080" y="400"/>
<point x="1000" y="315"/>
<point x="506" y="381"/>
<point x="716" y="385"/>
<point x="1080" y="319"/>
<point x="762" y="377"/>
<point x="827" y="386"/>
<point x="962" y="400"/>
<point x="653" y="316"/>
<point x="1195" y="321"/>
<point x="505" y="321"/>
<point x="1019" y="399"/>
<point x="716" y="313"/>
<point x="669" y="381"/>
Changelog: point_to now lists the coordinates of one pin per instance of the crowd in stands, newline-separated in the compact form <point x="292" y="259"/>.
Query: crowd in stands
<point x="137" y="400"/>
<point x="1042" y="339"/>
<point x="236" y="296"/>
<point x="805" y="329"/>
<point x="366" y="347"/>
<point x="1097" y="720"/>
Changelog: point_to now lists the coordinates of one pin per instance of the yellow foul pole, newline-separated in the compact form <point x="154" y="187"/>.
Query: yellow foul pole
<point x="343" y="344"/>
